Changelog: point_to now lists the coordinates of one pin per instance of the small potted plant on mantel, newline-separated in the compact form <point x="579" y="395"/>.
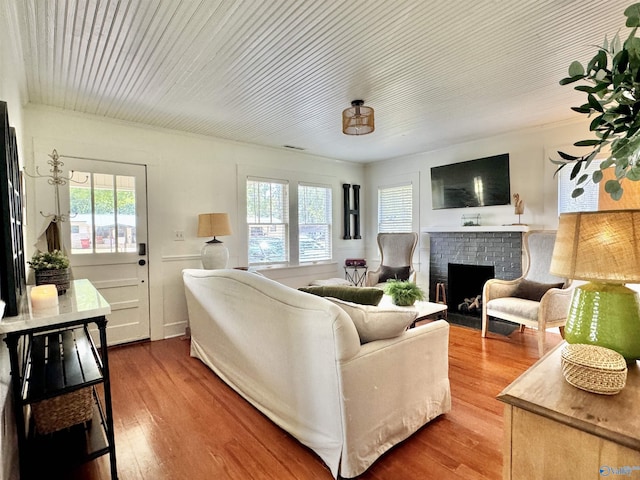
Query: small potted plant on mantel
<point x="51" y="268"/>
<point x="403" y="292"/>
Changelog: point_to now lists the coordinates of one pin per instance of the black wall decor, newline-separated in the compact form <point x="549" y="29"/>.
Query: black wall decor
<point x="348" y="211"/>
<point x="12" y="260"/>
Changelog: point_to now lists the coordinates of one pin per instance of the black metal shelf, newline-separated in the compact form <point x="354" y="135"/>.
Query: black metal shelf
<point x="50" y="363"/>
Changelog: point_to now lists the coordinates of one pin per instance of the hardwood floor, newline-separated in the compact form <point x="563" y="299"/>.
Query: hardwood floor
<point x="174" y="419"/>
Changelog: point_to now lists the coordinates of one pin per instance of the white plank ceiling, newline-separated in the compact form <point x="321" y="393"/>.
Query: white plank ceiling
<point x="280" y="72"/>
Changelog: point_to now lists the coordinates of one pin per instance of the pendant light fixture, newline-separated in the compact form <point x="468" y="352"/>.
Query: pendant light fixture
<point x="358" y="119"/>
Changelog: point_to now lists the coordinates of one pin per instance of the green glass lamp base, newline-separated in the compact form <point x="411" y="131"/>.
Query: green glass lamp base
<point x="607" y="315"/>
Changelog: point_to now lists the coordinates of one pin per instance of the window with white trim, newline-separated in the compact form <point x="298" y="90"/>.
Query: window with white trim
<point x="267" y="221"/>
<point x="314" y="222"/>
<point x="395" y="208"/>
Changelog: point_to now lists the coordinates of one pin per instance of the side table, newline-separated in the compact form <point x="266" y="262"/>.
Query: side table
<point x="355" y="274"/>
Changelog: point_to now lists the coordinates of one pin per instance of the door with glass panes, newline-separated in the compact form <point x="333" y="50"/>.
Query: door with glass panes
<point x="107" y="239"/>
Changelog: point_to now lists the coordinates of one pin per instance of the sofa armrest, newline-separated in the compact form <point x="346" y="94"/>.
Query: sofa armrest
<point x="391" y="388"/>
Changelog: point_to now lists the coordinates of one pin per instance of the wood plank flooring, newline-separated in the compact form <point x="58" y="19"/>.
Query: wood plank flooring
<point x="174" y="419"/>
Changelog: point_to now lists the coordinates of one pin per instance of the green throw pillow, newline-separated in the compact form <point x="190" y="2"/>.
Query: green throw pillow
<point x="361" y="295"/>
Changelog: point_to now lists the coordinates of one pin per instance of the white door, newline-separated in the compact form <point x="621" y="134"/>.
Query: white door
<point x="106" y="237"/>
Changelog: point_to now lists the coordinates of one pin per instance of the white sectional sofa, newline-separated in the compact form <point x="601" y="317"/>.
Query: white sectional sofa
<point x="298" y="358"/>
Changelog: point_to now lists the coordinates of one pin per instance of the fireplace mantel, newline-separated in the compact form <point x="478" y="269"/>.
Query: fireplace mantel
<point x="481" y="228"/>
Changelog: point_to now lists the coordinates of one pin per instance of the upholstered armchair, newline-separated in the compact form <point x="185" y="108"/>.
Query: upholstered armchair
<point x="396" y="258"/>
<point x="537" y="299"/>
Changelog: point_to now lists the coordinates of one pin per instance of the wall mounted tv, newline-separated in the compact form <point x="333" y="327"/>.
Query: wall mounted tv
<point x="475" y="183"/>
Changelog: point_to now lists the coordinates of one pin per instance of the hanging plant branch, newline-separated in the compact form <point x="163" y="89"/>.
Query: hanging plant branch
<point x="612" y="86"/>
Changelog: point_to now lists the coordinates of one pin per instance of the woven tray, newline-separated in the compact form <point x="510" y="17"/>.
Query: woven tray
<point x="63" y="411"/>
<point x="593" y="368"/>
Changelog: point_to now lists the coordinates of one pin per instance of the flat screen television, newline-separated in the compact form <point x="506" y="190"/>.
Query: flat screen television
<point x="475" y="183"/>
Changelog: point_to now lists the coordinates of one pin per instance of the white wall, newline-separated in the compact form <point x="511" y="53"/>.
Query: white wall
<point x="187" y="175"/>
<point x="531" y="176"/>
<point x="12" y="92"/>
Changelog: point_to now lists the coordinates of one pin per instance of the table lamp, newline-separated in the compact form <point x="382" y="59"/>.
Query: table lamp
<point x="214" y="254"/>
<point x="602" y="248"/>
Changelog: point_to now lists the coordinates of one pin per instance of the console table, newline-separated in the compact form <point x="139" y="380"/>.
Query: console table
<point x="554" y="430"/>
<point x="40" y="372"/>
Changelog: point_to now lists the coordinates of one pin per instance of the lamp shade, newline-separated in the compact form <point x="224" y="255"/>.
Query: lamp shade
<point x="358" y="119"/>
<point x="213" y="224"/>
<point x="601" y="246"/>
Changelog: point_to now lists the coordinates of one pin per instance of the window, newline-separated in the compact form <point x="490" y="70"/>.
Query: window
<point x="314" y="223"/>
<point x="594" y="197"/>
<point x="395" y="208"/>
<point x="102" y="213"/>
<point x="267" y="221"/>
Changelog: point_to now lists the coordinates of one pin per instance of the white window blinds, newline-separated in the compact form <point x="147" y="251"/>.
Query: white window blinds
<point x="314" y="222"/>
<point x="395" y="208"/>
<point x="267" y="221"/>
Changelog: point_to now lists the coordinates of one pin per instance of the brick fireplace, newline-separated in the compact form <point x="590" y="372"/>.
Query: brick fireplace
<point x="500" y="249"/>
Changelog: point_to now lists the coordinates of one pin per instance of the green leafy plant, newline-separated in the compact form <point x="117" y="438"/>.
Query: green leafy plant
<point x="612" y="86"/>
<point x="403" y="292"/>
<point x="55" y="260"/>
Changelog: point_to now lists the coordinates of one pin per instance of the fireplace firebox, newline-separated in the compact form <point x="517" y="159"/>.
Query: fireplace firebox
<point x="465" y="284"/>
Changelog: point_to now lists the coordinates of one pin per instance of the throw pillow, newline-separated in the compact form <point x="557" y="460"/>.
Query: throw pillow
<point x="377" y="323"/>
<point x="533" y="290"/>
<point x="393" y="273"/>
<point x="361" y="295"/>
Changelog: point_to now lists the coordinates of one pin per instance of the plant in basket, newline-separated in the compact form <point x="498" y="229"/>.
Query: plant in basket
<point x="51" y="268"/>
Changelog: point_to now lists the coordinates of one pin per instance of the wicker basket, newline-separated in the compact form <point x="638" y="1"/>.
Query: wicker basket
<point x="64" y="411"/>
<point x="593" y="368"/>
<point x="60" y="278"/>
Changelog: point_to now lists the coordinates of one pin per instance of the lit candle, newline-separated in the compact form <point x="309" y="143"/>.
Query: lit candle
<point x="44" y="296"/>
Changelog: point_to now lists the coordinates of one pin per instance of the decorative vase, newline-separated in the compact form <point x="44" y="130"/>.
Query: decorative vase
<point x="605" y="315"/>
<point x="59" y="278"/>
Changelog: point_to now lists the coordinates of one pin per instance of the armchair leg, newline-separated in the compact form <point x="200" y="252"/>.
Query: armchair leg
<point x="561" y="331"/>
<point x="521" y="328"/>
<point x="485" y="323"/>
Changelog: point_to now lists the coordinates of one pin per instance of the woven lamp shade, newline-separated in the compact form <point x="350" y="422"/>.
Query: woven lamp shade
<point x="358" y="119"/>
<point x="213" y="224"/>
<point x="602" y="246"/>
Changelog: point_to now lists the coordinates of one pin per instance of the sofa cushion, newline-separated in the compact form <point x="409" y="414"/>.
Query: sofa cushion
<point x="377" y="323"/>
<point x="534" y="291"/>
<point x="361" y="295"/>
<point x="393" y="273"/>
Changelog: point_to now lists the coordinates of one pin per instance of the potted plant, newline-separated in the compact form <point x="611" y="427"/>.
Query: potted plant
<point x="613" y="100"/>
<point x="403" y="292"/>
<point x="51" y="268"/>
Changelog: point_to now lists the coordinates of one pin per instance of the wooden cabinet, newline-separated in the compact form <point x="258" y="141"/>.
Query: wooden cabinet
<point x="556" y="431"/>
<point x="55" y="363"/>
